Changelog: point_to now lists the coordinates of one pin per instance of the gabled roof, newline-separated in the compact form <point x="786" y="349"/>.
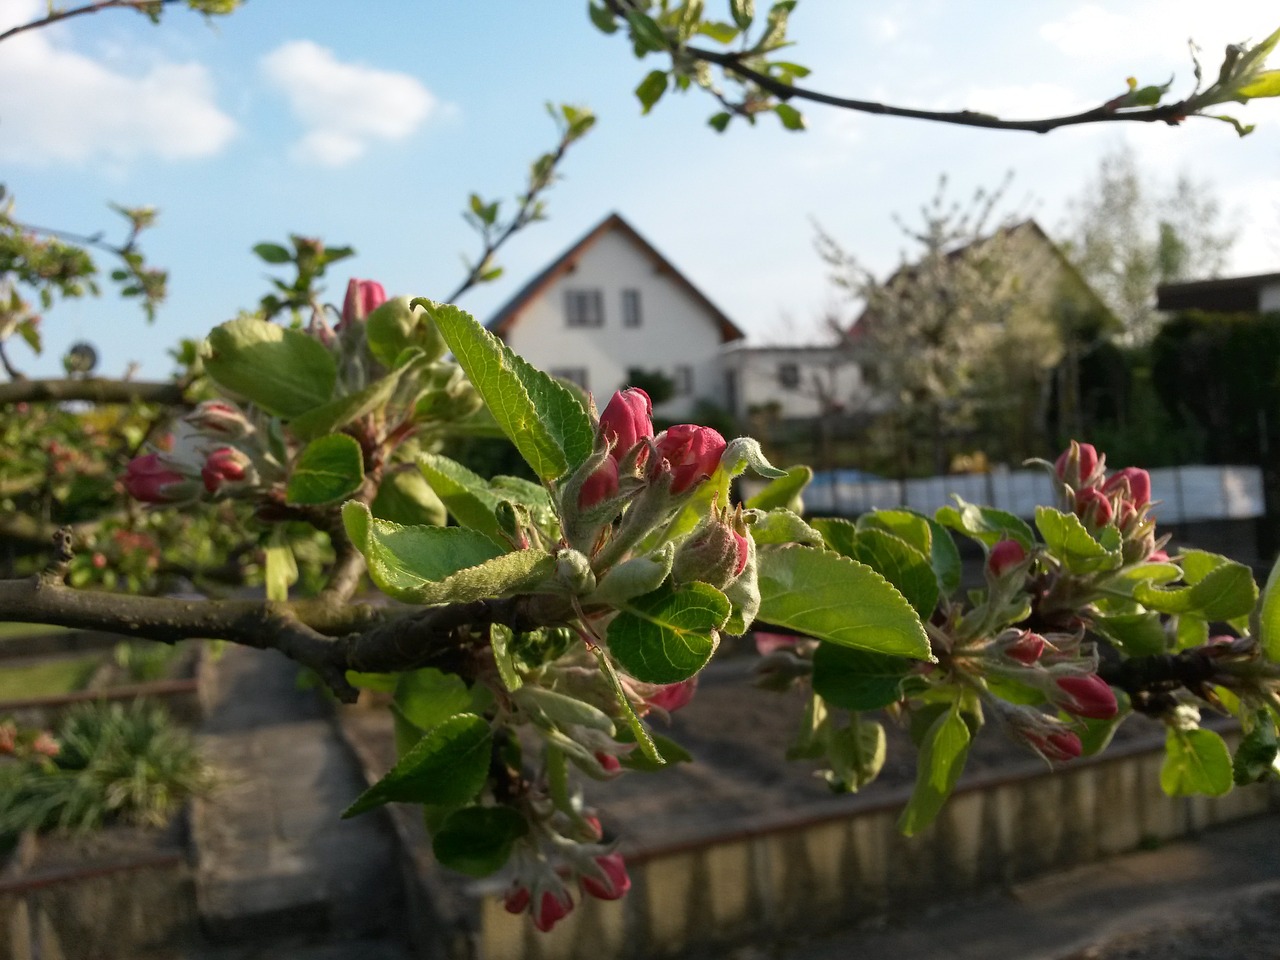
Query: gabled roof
<point x="510" y="312"/>
<point x="1226" y="294"/>
<point x="857" y="331"/>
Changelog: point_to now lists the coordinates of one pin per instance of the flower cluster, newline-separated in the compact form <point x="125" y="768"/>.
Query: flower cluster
<point x="1121" y="500"/>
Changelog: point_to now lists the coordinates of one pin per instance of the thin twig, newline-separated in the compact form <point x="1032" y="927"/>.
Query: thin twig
<point x="57" y="15"/>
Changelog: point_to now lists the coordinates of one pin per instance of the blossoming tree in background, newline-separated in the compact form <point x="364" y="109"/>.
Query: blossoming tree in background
<point x="533" y="639"/>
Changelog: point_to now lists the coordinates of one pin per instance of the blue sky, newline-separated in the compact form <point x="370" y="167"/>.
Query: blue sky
<point x="369" y="124"/>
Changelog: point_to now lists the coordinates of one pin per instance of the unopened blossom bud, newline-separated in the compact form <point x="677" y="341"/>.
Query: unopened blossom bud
<point x="45" y="744"/>
<point x="552" y="908"/>
<point x="1059" y="746"/>
<point x="1026" y="647"/>
<point x="1158" y="556"/>
<point x="608" y="762"/>
<point x="1004" y="557"/>
<point x="363" y="297"/>
<point x="627" y="420"/>
<point x="8" y="738"/>
<point x="692" y="452"/>
<point x="1077" y="464"/>
<point x="716" y="553"/>
<point x="615" y="882"/>
<point x="516" y="899"/>
<point x="1093" y="507"/>
<point x="225" y="465"/>
<point x="218" y="418"/>
<point x="1133" y="484"/>
<point x="672" y="696"/>
<point x="600" y="486"/>
<point x="1086" y="696"/>
<point x="152" y="480"/>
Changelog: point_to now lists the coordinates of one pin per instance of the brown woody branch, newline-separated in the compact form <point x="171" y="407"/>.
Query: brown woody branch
<point x="328" y="637"/>
<point x="1172" y="113"/>
<point x="92" y="389"/>
<point x="57" y="15"/>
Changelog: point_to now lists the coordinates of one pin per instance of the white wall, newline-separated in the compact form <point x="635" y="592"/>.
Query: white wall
<point x="675" y="328"/>
<point x="1269" y="298"/>
<point x="822" y="371"/>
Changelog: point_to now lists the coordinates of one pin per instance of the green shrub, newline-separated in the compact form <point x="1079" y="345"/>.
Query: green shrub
<point x="117" y="762"/>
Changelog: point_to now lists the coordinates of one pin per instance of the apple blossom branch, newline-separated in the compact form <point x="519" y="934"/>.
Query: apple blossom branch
<point x="1172" y="113"/>
<point x="150" y="8"/>
<point x="327" y="637"/>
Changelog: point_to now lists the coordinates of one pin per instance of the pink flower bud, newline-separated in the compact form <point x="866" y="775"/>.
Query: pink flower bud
<point x="1093" y="507"/>
<point x="744" y="552"/>
<point x="516" y="900"/>
<point x="1026" y="647"/>
<point x="219" y="418"/>
<point x="673" y="696"/>
<point x="45" y="744"/>
<point x="1005" y="556"/>
<point x="608" y="762"/>
<point x="1132" y="483"/>
<point x="767" y="643"/>
<point x="151" y="480"/>
<point x="627" y="420"/>
<point x="1077" y="464"/>
<point x="600" y="486"/>
<point x="8" y="737"/>
<point x="1158" y="556"/>
<point x="615" y="883"/>
<point x="1059" y="746"/>
<point x="692" y="452"/>
<point x="1086" y="696"/>
<point x="363" y="297"/>
<point x="552" y="908"/>
<point x="224" y="464"/>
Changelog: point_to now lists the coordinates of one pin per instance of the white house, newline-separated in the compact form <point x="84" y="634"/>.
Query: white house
<point x="797" y="382"/>
<point x="611" y="303"/>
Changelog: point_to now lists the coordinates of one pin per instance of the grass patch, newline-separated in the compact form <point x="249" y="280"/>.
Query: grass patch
<point x="47" y="678"/>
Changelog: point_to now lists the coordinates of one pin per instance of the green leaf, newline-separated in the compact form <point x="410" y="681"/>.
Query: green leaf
<point x="856" y="754"/>
<point x="477" y="840"/>
<point x="448" y="766"/>
<point x="858" y="679"/>
<point x="602" y="17"/>
<point x="466" y="495"/>
<point x="272" y="253"/>
<point x="1255" y="758"/>
<point x="500" y="641"/>
<point x="904" y="566"/>
<point x="328" y="469"/>
<point x="1269" y="616"/>
<point x="283" y="371"/>
<point x="639" y="732"/>
<point x="942" y="757"/>
<point x="837" y="599"/>
<point x="720" y="122"/>
<point x="1226" y="592"/>
<point x="985" y="524"/>
<point x="1135" y="634"/>
<point x="792" y="119"/>
<point x="784" y="491"/>
<point x="427" y="697"/>
<point x="543" y="419"/>
<point x="645" y="31"/>
<point x="743" y="11"/>
<point x="1265" y="84"/>
<point x="281" y="567"/>
<point x="651" y="89"/>
<point x="840" y="535"/>
<point x="1191" y="631"/>
<point x="406" y="498"/>
<point x="671" y="752"/>
<point x="670" y="634"/>
<point x="780" y="526"/>
<point x="1195" y="761"/>
<point x="904" y="524"/>
<point x="562" y="710"/>
<point x="336" y="414"/>
<point x="1069" y="541"/>
<point x="719" y="32"/>
<point x="396" y="326"/>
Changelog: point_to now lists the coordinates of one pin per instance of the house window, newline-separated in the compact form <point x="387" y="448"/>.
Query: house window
<point x="631" y="308"/>
<point x="789" y="376"/>
<point x="682" y="378"/>
<point x="584" y="308"/>
<point x="576" y="375"/>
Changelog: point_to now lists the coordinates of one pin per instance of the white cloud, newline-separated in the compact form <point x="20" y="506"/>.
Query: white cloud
<point x="345" y="106"/>
<point x="59" y="105"/>
<point x="1156" y="28"/>
<point x="1018" y="102"/>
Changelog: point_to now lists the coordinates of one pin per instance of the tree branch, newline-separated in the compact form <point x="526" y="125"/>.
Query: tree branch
<point x="57" y="15"/>
<point x="329" y="638"/>
<point x="1172" y="113"/>
<point x="92" y="389"/>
